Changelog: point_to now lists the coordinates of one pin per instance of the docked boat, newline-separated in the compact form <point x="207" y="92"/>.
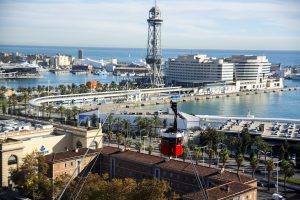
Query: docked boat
<point x="101" y="72"/>
<point x="295" y="76"/>
<point x="131" y="74"/>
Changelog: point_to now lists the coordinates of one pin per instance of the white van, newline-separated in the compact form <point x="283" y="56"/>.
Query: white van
<point x="276" y="196"/>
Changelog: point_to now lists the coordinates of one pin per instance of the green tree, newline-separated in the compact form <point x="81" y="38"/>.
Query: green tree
<point x="42" y="108"/>
<point x="109" y="137"/>
<point x="253" y="164"/>
<point x="211" y="137"/>
<point x="14" y="102"/>
<point x="270" y="167"/>
<point x="138" y="146"/>
<point x="224" y="156"/>
<point x="110" y="120"/>
<point x="211" y="154"/>
<point x="151" y="190"/>
<point x="156" y="123"/>
<point x="127" y="144"/>
<point x="49" y="109"/>
<point x="185" y="151"/>
<point x="119" y="139"/>
<point x="4" y="106"/>
<point x="150" y="149"/>
<point x="197" y="154"/>
<point x="239" y="161"/>
<point x="288" y="170"/>
<point x="61" y="110"/>
<point x="32" y="178"/>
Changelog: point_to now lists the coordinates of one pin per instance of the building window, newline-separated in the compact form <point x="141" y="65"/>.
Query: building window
<point x="12" y="160"/>
<point x="157" y="173"/>
<point x="71" y="164"/>
<point x="65" y="165"/>
<point x="78" y="145"/>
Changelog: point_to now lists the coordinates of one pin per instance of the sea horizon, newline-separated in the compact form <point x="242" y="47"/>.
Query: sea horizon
<point x="142" y="48"/>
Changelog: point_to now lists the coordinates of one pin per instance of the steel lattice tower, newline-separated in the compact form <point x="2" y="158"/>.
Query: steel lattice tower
<point x="154" y="53"/>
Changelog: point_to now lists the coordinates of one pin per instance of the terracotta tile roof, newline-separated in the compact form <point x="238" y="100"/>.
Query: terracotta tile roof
<point x="67" y="155"/>
<point x="232" y="176"/>
<point x="186" y="167"/>
<point x="107" y="150"/>
<point x="225" y="191"/>
<point x="139" y="157"/>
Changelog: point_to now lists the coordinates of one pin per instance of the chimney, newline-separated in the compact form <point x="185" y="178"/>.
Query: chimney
<point x="66" y="149"/>
<point x="76" y="150"/>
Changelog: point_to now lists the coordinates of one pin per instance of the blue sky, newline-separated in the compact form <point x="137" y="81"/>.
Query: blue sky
<point x="198" y="24"/>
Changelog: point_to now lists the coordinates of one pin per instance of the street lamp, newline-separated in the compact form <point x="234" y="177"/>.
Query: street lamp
<point x="218" y="150"/>
<point x="277" y="172"/>
<point x="203" y="154"/>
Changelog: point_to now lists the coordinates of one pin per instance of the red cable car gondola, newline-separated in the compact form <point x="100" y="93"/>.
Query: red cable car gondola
<point x="172" y="138"/>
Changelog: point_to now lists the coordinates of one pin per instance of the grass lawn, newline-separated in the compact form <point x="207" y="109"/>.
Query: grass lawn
<point x="290" y="180"/>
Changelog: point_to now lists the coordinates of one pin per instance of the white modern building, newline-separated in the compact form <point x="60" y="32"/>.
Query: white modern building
<point x="60" y="60"/>
<point x="249" y="67"/>
<point x="196" y="70"/>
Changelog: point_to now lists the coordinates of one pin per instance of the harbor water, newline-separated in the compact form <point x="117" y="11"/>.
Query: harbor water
<point x="278" y="104"/>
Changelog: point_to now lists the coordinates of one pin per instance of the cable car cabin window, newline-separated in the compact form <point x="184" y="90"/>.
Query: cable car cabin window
<point x="179" y="141"/>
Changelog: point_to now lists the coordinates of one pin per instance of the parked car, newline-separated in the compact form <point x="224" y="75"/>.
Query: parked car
<point x="260" y="184"/>
<point x="276" y="196"/>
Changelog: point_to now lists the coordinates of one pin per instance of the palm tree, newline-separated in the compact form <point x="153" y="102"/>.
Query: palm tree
<point x="61" y="110"/>
<point x="139" y="123"/>
<point x="197" y="154"/>
<point x="110" y="120"/>
<point x="43" y="109"/>
<point x="109" y="137"/>
<point x="127" y="144"/>
<point x="75" y="112"/>
<point x="40" y="89"/>
<point x="138" y="146"/>
<point x="119" y="139"/>
<point x="288" y="170"/>
<point x="211" y="154"/>
<point x="4" y="105"/>
<point x="270" y="167"/>
<point x="156" y="123"/>
<point x="126" y="125"/>
<point x="25" y="96"/>
<point x="118" y="123"/>
<point x="224" y="156"/>
<point x="253" y="164"/>
<point x="150" y="149"/>
<point x="49" y="110"/>
<point x="14" y="102"/>
<point x="239" y="161"/>
<point x="185" y="151"/>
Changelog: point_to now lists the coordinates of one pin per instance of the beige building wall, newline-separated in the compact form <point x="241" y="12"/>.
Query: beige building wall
<point x="68" y="166"/>
<point x="25" y="144"/>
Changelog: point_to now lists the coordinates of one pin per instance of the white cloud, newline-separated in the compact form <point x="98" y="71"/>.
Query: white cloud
<point x="187" y="24"/>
